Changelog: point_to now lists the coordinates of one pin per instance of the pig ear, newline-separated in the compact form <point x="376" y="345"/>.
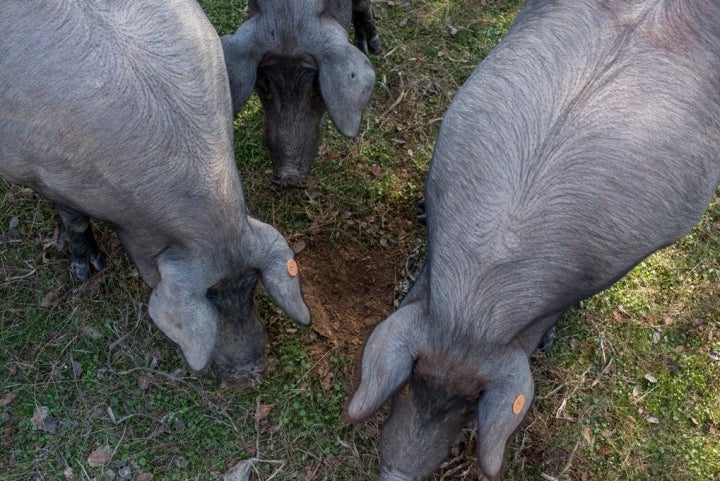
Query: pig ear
<point x="388" y="360"/>
<point x="182" y="311"/>
<point x="272" y="255"/>
<point x="243" y="52"/>
<point x="346" y="80"/>
<point x="501" y="409"/>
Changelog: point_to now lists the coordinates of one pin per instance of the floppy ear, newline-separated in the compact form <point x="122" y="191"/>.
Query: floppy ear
<point x="180" y="308"/>
<point x="388" y="359"/>
<point x="243" y="52"/>
<point x="270" y="253"/>
<point x="501" y="409"/>
<point x="346" y="78"/>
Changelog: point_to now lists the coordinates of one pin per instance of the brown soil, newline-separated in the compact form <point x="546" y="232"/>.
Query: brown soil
<point x="349" y="289"/>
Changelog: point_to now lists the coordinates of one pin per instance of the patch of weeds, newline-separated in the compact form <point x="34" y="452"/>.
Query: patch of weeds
<point x="225" y="15"/>
<point x="91" y="355"/>
<point x="626" y="392"/>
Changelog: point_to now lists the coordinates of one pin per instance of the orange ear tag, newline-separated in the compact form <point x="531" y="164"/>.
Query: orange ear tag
<point x="519" y="404"/>
<point x="292" y="267"/>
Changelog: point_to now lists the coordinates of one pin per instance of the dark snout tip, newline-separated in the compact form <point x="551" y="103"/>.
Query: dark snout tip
<point x="290" y="181"/>
<point x="247" y="383"/>
<point x="246" y="380"/>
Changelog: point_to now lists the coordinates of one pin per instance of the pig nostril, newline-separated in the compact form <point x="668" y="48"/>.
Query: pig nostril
<point x="298" y="181"/>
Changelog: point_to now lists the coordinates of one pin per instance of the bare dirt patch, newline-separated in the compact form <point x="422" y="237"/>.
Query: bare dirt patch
<point x="349" y="289"/>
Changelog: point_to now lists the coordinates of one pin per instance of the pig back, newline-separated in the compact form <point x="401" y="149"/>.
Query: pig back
<point x="588" y="139"/>
<point x="108" y="101"/>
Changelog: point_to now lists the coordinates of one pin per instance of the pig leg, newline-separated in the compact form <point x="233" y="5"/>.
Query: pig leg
<point x="366" y="37"/>
<point x="76" y="234"/>
<point x="539" y="335"/>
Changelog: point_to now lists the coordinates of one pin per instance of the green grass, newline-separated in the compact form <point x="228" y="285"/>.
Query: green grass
<point x="89" y="353"/>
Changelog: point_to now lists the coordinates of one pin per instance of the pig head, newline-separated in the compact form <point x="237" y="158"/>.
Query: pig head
<point x="120" y="131"/>
<point x="296" y="55"/>
<point x="588" y="139"/>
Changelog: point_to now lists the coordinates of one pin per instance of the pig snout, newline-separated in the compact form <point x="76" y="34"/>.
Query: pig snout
<point x="289" y="176"/>
<point x="241" y="362"/>
<point x="247" y="377"/>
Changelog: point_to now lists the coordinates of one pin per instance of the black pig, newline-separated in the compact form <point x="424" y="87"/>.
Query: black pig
<point x="588" y="139"/>
<point x="104" y="111"/>
<point x="296" y="55"/>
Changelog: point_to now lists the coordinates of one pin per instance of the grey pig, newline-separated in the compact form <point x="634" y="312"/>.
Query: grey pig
<point x="297" y="57"/>
<point x="588" y="139"/>
<point x="121" y="111"/>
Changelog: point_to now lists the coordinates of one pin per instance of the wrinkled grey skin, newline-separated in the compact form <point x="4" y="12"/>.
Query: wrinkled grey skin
<point x="588" y="139"/>
<point x="121" y="111"/>
<point x="297" y="57"/>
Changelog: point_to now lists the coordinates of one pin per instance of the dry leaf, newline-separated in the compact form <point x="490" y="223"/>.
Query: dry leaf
<point x="39" y="416"/>
<point x="77" y="369"/>
<point x="7" y="399"/>
<point x="263" y="411"/>
<point x="13" y="234"/>
<point x="239" y="472"/>
<point x="299" y="246"/>
<point x="144" y="383"/>
<point x="144" y="477"/>
<point x="92" y="333"/>
<point x="98" y="457"/>
<point x="650" y="378"/>
<point x="49" y="299"/>
<point x="652" y="420"/>
<point x="327" y="381"/>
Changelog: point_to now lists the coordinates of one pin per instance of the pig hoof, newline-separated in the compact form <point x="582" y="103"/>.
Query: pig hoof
<point x="375" y="45"/>
<point x="97" y="262"/>
<point x="84" y="268"/>
<point x="369" y="46"/>
<point x="81" y="270"/>
<point x="547" y="341"/>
